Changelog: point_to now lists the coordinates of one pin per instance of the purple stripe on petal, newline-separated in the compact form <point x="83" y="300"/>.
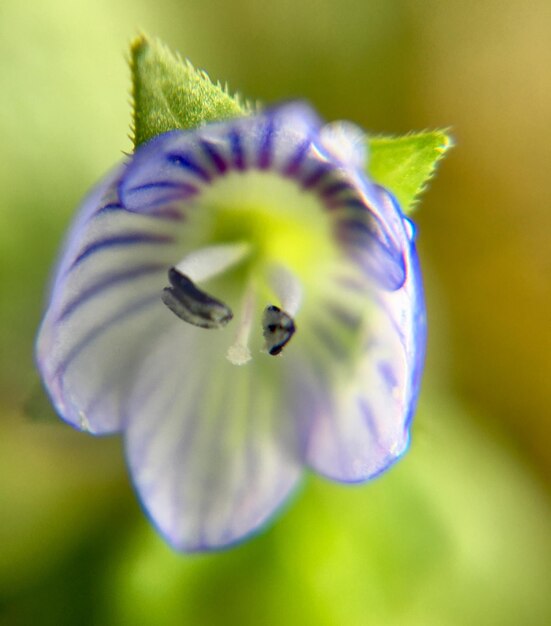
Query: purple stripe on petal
<point x="391" y="318"/>
<point x="215" y="436"/>
<point x="214" y="157"/>
<point x="158" y="207"/>
<point x="107" y="282"/>
<point x="361" y="229"/>
<point x="328" y="339"/>
<point x="110" y="206"/>
<point x="369" y="419"/>
<point x="188" y="163"/>
<point x="236" y="148"/>
<point x="266" y="144"/>
<point x="170" y="213"/>
<point x="140" y="396"/>
<point x="366" y="231"/>
<point x="169" y="403"/>
<point x="94" y="333"/>
<point x="184" y="189"/>
<point x="389" y="272"/>
<point x="343" y="316"/>
<point x="349" y="203"/>
<point x="355" y="203"/>
<point x="374" y="246"/>
<point x="296" y="161"/>
<point x="352" y="283"/>
<point x="317" y="176"/>
<point x="387" y="373"/>
<point x="127" y="239"/>
<point x="336" y="188"/>
<point x="326" y="414"/>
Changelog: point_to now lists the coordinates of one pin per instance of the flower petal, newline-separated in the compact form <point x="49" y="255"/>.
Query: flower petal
<point x="346" y="141"/>
<point x="104" y="302"/>
<point x="178" y="166"/>
<point x="210" y="450"/>
<point x="215" y="448"/>
<point x="374" y="234"/>
<point x="360" y="420"/>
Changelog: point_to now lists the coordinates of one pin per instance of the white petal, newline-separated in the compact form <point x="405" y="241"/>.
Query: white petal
<point x="360" y="419"/>
<point x="211" y="450"/>
<point x="180" y="164"/>
<point x="347" y="142"/>
<point x="104" y="309"/>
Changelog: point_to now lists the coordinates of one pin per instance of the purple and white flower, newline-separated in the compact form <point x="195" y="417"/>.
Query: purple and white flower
<point x="242" y="302"/>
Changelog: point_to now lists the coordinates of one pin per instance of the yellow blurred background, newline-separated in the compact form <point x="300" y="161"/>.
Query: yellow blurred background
<point x="459" y="532"/>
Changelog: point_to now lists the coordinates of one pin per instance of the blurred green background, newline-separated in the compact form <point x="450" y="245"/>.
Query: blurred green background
<point x="459" y="532"/>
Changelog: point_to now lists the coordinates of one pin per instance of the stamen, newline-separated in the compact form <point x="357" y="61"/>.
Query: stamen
<point x="186" y="300"/>
<point x="192" y="305"/>
<point x="278" y="328"/>
<point x="239" y="353"/>
<point x="210" y="261"/>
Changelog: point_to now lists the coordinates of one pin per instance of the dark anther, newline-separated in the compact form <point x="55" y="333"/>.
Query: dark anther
<point x="278" y="328"/>
<point x="192" y="305"/>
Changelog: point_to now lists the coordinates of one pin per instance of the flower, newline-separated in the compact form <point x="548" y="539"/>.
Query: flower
<point x="241" y="302"/>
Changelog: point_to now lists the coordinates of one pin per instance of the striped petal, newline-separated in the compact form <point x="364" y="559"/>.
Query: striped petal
<point x="211" y="449"/>
<point x="104" y="309"/>
<point x="178" y="166"/>
<point x="360" y="416"/>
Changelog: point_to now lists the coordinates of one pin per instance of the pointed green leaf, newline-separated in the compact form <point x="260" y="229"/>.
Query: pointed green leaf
<point x="406" y="164"/>
<point x="169" y="93"/>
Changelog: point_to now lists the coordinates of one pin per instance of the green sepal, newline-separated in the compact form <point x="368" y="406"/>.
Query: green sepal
<point x="169" y="93"/>
<point x="404" y="165"/>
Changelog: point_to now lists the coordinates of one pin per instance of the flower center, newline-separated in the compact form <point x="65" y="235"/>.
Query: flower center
<point x="259" y="243"/>
<point x="194" y="306"/>
<point x="284" y="224"/>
